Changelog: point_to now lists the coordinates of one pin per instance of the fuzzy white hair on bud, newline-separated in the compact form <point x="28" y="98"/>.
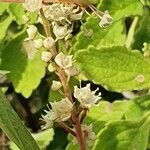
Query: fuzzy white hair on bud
<point x="46" y="56"/>
<point x="32" y="5"/>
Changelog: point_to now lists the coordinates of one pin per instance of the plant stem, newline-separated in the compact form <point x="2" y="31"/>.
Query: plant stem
<point x="67" y="91"/>
<point x="131" y="32"/>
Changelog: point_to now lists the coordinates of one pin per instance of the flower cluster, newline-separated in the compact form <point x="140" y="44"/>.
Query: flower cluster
<point x="61" y="111"/>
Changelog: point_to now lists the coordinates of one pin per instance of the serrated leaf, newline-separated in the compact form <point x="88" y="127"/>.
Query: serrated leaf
<point x="121" y="9"/>
<point x="100" y="37"/>
<point x="115" y="68"/>
<point x="123" y="135"/>
<point x="4" y="24"/>
<point x="26" y="73"/>
<point x="13" y="126"/>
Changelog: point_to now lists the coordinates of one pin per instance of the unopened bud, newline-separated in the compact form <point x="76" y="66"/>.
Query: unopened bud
<point x="46" y="56"/>
<point x="56" y="85"/>
<point x="48" y="42"/>
<point x="38" y="43"/>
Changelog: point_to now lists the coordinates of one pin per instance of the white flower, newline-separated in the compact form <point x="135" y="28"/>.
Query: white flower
<point x="76" y="14"/>
<point x="61" y="31"/>
<point x="85" y="96"/>
<point x="105" y="19"/>
<point x="49" y="119"/>
<point x="72" y="71"/>
<point x="63" y="61"/>
<point x="31" y="31"/>
<point x="38" y="43"/>
<point x="56" y="85"/>
<point x="62" y="109"/>
<point x="46" y="56"/>
<point x="89" y="135"/>
<point x="33" y="5"/>
<point x="48" y="42"/>
<point x="56" y="12"/>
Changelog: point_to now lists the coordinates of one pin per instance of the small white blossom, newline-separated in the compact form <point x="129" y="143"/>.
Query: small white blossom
<point x="72" y="71"/>
<point x="51" y="67"/>
<point x="89" y="135"/>
<point x="56" y="85"/>
<point x="38" y="43"/>
<point x="46" y="56"/>
<point x="62" y="109"/>
<point x="85" y="96"/>
<point x="63" y="61"/>
<point x="56" y="12"/>
<point x="31" y="31"/>
<point x="105" y="19"/>
<point x="33" y="5"/>
<point x="48" y="42"/>
<point x="61" y="31"/>
<point x="76" y="14"/>
<point x="49" y="119"/>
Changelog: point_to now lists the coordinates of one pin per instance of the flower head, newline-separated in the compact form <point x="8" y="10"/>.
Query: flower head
<point x="89" y="135"/>
<point x="105" y="19"/>
<point x="61" y="111"/>
<point x="62" y="31"/>
<point x="48" y="42"/>
<point x="56" y="85"/>
<point x="85" y="96"/>
<point x="33" y="5"/>
<point x="31" y="31"/>
<point x="63" y="61"/>
<point x="46" y="56"/>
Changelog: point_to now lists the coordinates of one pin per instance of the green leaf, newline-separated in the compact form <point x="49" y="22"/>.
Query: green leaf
<point x="121" y="9"/>
<point x="100" y="37"/>
<point x="42" y="138"/>
<point x="4" y="24"/>
<point x="115" y="68"/>
<point x="15" y="8"/>
<point x="14" y="128"/>
<point x="25" y="73"/>
<point x="123" y="135"/>
<point x="3" y="7"/>
<point x="17" y="11"/>
<point x="143" y="30"/>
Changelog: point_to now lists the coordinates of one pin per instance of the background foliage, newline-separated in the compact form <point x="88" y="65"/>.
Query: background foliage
<point x="116" y="59"/>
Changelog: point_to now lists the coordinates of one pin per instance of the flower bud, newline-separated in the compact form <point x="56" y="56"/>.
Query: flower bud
<point x="51" y="68"/>
<point x="46" y="56"/>
<point x="56" y="85"/>
<point x="38" y="43"/>
<point x="48" y="42"/>
<point x="63" y="61"/>
<point x="31" y="31"/>
<point x="33" y="5"/>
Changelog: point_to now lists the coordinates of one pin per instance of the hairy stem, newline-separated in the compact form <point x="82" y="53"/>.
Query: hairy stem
<point x="67" y="91"/>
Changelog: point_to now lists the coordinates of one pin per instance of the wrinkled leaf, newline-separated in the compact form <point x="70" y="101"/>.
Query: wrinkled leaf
<point x="115" y="68"/>
<point x="25" y="73"/>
